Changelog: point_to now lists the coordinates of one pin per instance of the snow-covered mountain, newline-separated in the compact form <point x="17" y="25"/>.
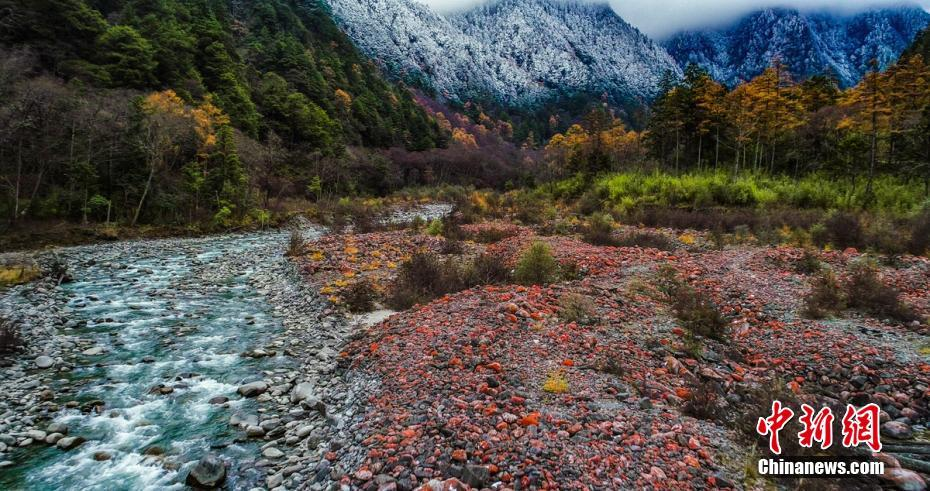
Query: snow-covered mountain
<point x="515" y="51"/>
<point x="807" y="42"/>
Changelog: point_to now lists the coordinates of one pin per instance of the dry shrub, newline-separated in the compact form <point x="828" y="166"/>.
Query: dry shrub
<point x="704" y="400"/>
<point x="577" y="308"/>
<point x="426" y="277"/>
<point x="919" y="243"/>
<point x="647" y="240"/>
<point x="724" y="220"/>
<point x="491" y="235"/>
<point x="451" y="246"/>
<point x="487" y="270"/>
<point x="598" y="230"/>
<point x="809" y="263"/>
<point x="422" y="279"/>
<point x="698" y="314"/>
<point x="842" y="230"/>
<point x="866" y="292"/>
<point x="295" y="244"/>
<point x="825" y="297"/>
<point x="360" y="297"/>
<point x="362" y="217"/>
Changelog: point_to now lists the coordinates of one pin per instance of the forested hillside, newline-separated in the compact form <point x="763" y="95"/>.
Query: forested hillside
<point x="921" y="46"/>
<point x="171" y="111"/>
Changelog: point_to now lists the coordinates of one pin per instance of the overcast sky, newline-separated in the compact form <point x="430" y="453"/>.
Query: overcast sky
<point x="659" y="18"/>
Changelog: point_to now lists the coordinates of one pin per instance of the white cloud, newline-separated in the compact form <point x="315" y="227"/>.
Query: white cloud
<point x="664" y="17"/>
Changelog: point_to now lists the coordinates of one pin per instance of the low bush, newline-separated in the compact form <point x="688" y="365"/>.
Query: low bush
<point x="491" y="235"/>
<point x="841" y="230"/>
<point x="362" y="216"/>
<point x="697" y="313"/>
<point x="647" y="240"/>
<point x="295" y="244"/>
<point x="537" y="266"/>
<point x="887" y="236"/>
<point x="451" y="246"/>
<point x="530" y="207"/>
<point x="598" y="230"/>
<point x="435" y="227"/>
<point x="426" y="277"/>
<point x="703" y="400"/>
<point x="809" y="263"/>
<point x="825" y="297"/>
<point x="360" y="296"/>
<point x="577" y="308"/>
<point x="919" y="243"/>
<point x="866" y="292"/>
<point x="487" y="270"/>
<point x="422" y="279"/>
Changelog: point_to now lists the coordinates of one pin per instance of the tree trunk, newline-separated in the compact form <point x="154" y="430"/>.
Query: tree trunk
<point x="19" y="179"/>
<point x="717" y="149"/>
<point x="35" y="191"/>
<point x="700" y="146"/>
<point x="148" y="184"/>
<point x="84" y="208"/>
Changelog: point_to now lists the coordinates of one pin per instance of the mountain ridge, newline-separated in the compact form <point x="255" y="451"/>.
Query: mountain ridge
<point x="478" y="53"/>
<point x="807" y="42"/>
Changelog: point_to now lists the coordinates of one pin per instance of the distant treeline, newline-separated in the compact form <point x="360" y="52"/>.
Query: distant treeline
<point x="223" y="113"/>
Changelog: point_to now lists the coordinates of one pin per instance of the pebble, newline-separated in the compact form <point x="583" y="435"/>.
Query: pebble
<point x="272" y="453"/>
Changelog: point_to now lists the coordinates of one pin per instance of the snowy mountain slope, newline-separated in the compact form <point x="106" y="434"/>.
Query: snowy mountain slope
<point x="808" y="43"/>
<point x="515" y="51"/>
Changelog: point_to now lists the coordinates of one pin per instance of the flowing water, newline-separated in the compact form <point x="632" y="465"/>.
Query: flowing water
<point x="172" y="312"/>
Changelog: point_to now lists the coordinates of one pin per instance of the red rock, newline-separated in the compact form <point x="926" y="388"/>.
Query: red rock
<point x="453" y="485"/>
<point x="531" y="419"/>
<point x="459" y="455"/>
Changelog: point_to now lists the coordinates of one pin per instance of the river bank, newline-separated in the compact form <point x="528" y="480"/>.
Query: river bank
<point x="161" y="352"/>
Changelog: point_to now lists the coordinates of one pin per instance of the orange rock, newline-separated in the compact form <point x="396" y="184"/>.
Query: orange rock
<point x="531" y="419"/>
<point x="459" y="455"/>
<point x="683" y="393"/>
<point x="568" y="362"/>
<point x="495" y="366"/>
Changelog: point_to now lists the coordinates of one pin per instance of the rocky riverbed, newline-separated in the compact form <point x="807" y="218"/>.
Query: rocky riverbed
<point x="172" y="362"/>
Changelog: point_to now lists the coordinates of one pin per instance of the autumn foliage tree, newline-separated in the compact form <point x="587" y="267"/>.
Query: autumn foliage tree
<point x="600" y="143"/>
<point x="774" y="124"/>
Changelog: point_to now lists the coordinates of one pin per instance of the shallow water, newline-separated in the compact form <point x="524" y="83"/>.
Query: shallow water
<point x="187" y="304"/>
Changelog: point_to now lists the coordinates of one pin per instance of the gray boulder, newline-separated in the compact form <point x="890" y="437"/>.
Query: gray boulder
<point x="253" y="389"/>
<point x="208" y="473"/>
<point x="69" y="442"/>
